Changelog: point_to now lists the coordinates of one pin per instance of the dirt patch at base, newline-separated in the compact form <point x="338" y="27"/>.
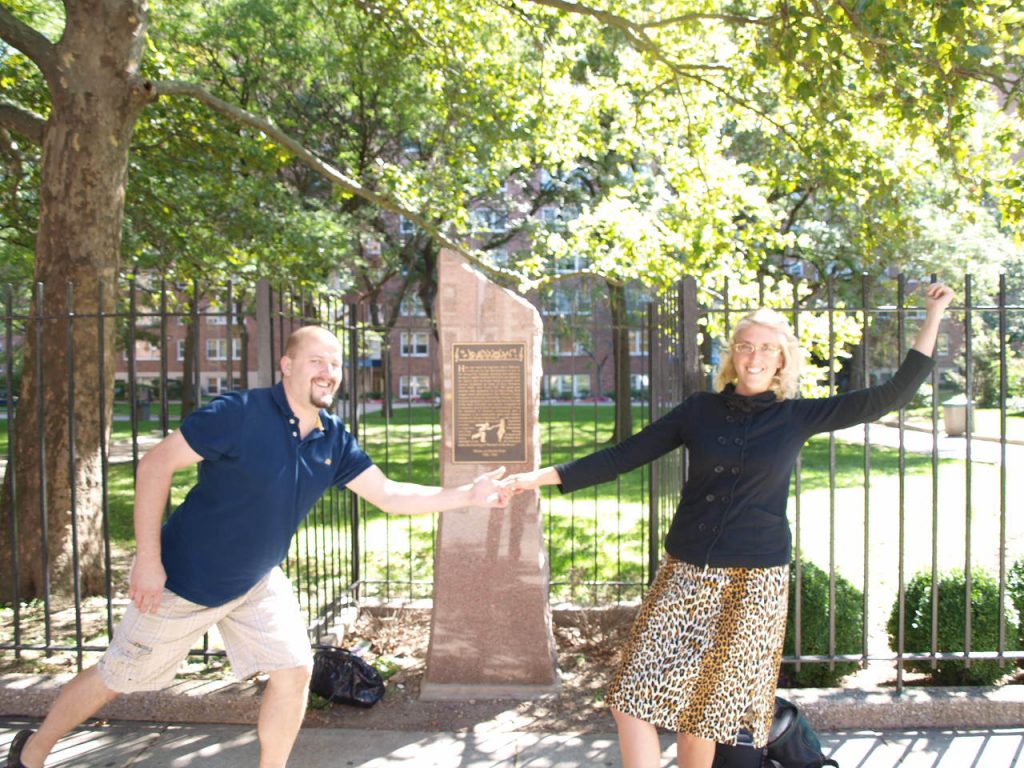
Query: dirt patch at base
<point x="589" y="644"/>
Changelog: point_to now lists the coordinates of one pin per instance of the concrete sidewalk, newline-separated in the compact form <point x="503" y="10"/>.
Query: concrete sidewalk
<point x="920" y="728"/>
<point x="230" y="746"/>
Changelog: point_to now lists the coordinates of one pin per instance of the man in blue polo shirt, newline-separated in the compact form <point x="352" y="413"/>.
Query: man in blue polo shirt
<point x="265" y="456"/>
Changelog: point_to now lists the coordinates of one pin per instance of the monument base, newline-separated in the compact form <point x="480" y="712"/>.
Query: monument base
<point x="490" y="632"/>
<point x="463" y="691"/>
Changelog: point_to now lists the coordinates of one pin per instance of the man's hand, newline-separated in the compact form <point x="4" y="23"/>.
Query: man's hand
<point x="487" y="492"/>
<point x="146" y="585"/>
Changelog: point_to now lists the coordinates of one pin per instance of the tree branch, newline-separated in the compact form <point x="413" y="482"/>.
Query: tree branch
<point x="994" y="77"/>
<point x="636" y="35"/>
<point x="735" y="20"/>
<point x="615" y="20"/>
<point x="329" y="172"/>
<point x="27" y="40"/>
<point x="22" y="122"/>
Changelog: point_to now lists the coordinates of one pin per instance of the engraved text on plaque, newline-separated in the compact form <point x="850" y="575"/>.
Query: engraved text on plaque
<point x="489" y="402"/>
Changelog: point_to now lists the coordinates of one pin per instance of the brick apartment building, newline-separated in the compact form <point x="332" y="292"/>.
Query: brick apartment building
<point x="576" y="349"/>
<point x="577" y="344"/>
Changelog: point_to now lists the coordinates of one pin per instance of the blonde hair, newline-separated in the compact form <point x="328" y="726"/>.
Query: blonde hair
<point x="787" y="380"/>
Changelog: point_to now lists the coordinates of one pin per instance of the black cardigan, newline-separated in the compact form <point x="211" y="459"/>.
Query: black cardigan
<point x="741" y="456"/>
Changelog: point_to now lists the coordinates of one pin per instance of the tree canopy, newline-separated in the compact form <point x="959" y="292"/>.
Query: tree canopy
<point x="347" y="142"/>
<point x="700" y="137"/>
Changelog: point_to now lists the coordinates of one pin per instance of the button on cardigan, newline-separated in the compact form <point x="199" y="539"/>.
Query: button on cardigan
<point x="742" y="451"/>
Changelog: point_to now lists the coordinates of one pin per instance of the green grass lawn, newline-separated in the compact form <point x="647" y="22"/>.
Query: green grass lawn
<point x="599" y="535"/>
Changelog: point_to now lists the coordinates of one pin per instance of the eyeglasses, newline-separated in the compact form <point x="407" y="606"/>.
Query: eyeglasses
<point x="746" y="348"/>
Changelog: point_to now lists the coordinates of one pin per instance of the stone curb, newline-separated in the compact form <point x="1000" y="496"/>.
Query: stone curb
<point x="828" y="709"/>
<point x="186" y="701"/>
<point x="836" y="709"/>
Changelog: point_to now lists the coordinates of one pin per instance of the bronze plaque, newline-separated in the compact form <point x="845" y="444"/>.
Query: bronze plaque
<point x="489" y="403"/>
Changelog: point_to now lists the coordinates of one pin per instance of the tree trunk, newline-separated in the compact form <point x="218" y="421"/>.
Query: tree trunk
<point x="620" y="358"/>
<point x="96" y="96"/>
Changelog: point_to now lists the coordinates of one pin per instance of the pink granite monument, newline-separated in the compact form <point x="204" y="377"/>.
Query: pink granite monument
<point x="491" y="626"/>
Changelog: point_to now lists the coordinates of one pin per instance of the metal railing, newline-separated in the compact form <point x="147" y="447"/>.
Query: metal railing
<point x="943" y="501"/>
<point x="923" y="519"/>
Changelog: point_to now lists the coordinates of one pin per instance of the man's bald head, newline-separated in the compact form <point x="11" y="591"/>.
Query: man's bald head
<point x="307" y="333"/>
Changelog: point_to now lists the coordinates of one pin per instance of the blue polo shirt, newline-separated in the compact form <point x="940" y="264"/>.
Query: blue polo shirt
<point x="258" y="480"/>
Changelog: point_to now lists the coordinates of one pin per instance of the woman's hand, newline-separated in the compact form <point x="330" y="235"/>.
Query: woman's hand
<point x="529" y="481"/>
<point x="938" y="297"/>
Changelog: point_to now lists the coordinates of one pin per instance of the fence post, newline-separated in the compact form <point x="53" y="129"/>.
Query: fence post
<point x="264" y="354"/>
<point x="654" y="472"/>
<point x="355" y="575"/>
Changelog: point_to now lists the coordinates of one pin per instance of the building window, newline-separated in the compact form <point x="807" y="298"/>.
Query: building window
<point x="489" y="220"/>
<point x="216" y="385"/>
<point x="942" y="345"/>
<point x="216" y="319"/>
<point x="562" y="345"/>
<point x="572" y="262"/>
<point x="639" y="383"/>
<point x="411" y="387"/>
<point x="374" y="346"/>
<point x="561" y="301"/>
<point x="414" y="344"/>
<point x="556" y="218"/>
<point x="146" y="350"/>
<point x="565" y="386"/>
<point x="411" y="306"/>
<point x="217" y="349"/>
<point x="181" y="349"/>
<point x="637" y="343"/>
<point x="406" y="226"/>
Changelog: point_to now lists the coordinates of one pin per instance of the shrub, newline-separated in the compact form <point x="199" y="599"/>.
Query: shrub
<point x="1015" y="588"/>
<point x="814" y="633"/>
<point x="984" y="626"/>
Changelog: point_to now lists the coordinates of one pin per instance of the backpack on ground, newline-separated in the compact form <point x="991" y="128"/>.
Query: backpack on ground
<point x="792" y="742"/>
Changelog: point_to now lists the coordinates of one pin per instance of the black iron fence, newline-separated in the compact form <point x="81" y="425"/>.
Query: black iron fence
<point x="905" y="545"/>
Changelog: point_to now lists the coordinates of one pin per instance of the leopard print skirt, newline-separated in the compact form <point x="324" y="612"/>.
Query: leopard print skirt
<point x="703" y="655"/>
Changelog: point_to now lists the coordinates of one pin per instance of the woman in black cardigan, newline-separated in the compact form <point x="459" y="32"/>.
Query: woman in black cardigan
<point x="704" y="653"/>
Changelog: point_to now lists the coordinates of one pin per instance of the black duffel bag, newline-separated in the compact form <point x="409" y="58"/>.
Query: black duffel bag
<point x="343" y="678"/>
<point x="792" y="743"/>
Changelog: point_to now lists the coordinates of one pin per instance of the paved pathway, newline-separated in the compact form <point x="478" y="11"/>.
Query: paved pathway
<point x="983" y="450"/>
<point x="230" y="746"/>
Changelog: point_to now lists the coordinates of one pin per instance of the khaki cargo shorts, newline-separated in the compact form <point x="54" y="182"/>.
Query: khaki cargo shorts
<point x="262" y="631"/>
